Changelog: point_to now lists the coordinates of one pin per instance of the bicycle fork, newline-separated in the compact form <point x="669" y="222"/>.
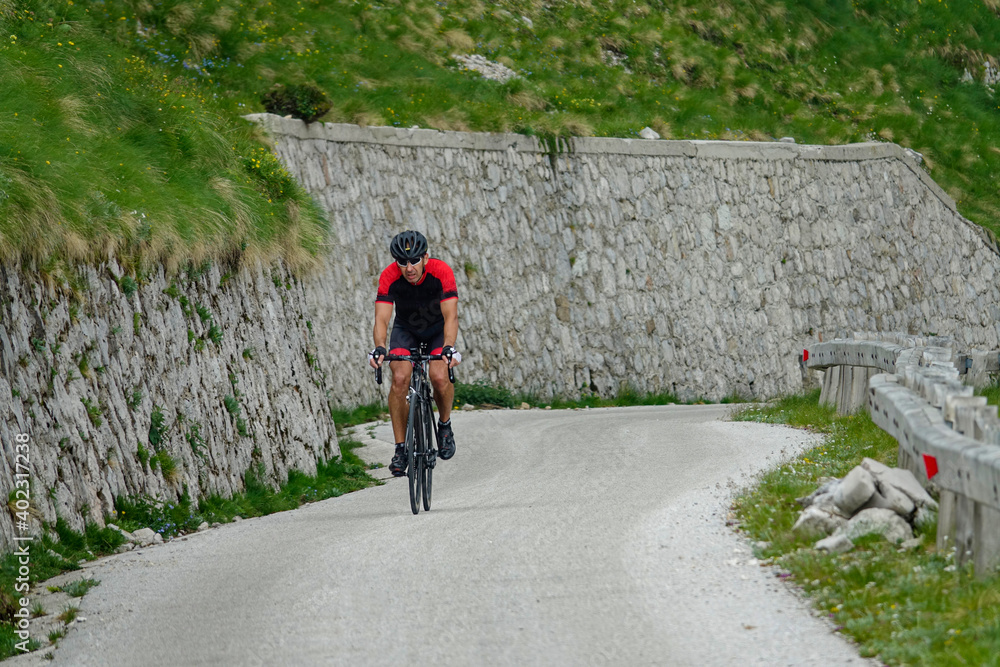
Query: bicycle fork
<point x="430" y="453"/>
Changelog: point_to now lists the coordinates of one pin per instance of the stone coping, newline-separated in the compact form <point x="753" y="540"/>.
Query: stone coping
<point x="486" y="141"/>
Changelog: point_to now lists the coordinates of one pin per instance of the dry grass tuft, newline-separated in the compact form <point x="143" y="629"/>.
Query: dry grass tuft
<point x="180" y="17"/>
<point x="202" y="44"/>
<point x="73" y="109"/>
<point x="527" y="99"/>
<point x="553" y="42"/>
<point x="576" y="126"/>
<point x="662" y="128"/>
<point x="453" y="120"/>
<point x="458" y="39"/>
<point x="222" y="20"/>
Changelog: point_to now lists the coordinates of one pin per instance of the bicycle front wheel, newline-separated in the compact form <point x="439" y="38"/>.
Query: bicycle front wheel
<point x="413" y="438"/>
<point x="426" y="465"/>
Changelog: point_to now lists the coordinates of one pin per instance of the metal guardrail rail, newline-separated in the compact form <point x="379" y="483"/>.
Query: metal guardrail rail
<point x="947" y="437"/>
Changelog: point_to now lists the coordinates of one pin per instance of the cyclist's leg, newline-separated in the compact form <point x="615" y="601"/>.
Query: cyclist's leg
<point x="399" y="343"/>
<point x="398" y="406"/>
<point x="444" y="390"/>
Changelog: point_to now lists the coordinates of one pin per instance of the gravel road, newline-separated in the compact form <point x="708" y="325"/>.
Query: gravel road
<point x="587" y="537"/>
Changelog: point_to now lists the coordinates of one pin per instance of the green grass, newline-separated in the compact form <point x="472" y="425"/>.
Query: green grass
<point x="129" y="137"/>
<point x="79" y="588"/>
<point x="67" y="547"/>
<point x="992" y="394"/>
<point x="907" y="607"/>
<point x="482" y="393"/>
<point x="346" y="416"/>
<point x="103" y="149"/>
<point x="333" y="478"/>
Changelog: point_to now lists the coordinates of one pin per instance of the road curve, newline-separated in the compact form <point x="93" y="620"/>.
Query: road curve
<point x="587" y="537"/>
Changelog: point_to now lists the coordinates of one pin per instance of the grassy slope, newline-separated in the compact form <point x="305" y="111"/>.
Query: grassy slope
<point x="86" y="148"/>
<point x="103" y="151"/>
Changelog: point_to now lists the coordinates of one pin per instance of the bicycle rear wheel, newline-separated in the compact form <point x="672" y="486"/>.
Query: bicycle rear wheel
<point x="426" y="462"/>
<point x="413" y="437"/>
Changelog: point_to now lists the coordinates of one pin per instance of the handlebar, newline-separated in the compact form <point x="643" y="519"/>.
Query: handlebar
<point x="416" y="359"/>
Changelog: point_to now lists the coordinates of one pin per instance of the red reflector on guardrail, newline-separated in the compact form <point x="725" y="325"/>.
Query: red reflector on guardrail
<point x="931" y="464"/>
<point x="805" y="355"/>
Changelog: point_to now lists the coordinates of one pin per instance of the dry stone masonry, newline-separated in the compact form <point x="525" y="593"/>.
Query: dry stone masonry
<point x="86" y="377"/>
<point x="702" y="268"/>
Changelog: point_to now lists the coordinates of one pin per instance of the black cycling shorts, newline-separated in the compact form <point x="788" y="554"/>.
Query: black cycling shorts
<point x="402" y="341"/>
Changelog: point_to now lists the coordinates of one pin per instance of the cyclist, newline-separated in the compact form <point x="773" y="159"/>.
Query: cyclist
<point x="423" y="292"/>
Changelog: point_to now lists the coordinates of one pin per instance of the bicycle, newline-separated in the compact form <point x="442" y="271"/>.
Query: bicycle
<point x="421" y="455"/>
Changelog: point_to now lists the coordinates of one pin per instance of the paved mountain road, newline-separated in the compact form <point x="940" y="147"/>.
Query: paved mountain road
<point x="585" y="537"/>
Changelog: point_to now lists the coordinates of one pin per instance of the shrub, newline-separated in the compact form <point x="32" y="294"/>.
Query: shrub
<point x="157" y="427"/>
<point x="481" y="393"/>
<point x="305" y="102"/>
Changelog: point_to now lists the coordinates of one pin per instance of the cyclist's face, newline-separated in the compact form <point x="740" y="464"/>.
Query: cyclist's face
<point x="413" y="272"/>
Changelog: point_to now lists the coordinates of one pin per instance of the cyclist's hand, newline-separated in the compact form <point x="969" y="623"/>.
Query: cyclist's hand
<point x="375" y="356"/>
<point x="453" y="356"/>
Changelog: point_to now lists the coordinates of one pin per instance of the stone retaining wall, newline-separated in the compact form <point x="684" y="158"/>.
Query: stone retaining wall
<point x="701" y="268"/>
<point x="84" y="375"/>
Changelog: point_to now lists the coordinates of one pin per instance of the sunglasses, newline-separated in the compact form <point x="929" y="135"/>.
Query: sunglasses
<point x="403" y="263"/>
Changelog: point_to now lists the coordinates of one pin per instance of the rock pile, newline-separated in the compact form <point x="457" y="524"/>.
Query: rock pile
<point x="872" y="498"/>
<point x="487" y="68"/>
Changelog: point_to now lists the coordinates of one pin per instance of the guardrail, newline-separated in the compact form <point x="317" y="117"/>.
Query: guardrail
<point x="947" y="437"/>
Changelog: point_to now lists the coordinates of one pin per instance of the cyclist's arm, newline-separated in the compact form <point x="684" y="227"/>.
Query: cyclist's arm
<point x="383" y="313"/>
<point x="449" y="309"/>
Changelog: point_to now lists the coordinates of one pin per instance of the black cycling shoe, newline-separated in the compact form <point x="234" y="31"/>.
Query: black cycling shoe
<point x="398" y="464"/>
<point x="446" y="441"/>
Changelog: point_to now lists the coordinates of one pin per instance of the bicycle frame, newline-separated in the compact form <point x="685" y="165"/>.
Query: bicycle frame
<point x="421" y="453"/>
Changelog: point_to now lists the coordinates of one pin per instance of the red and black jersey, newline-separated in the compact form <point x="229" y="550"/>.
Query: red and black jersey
<point x="418" y="307"/>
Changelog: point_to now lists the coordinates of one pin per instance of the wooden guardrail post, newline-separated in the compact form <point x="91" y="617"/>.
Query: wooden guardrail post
<point x="947" y="437"/>
<point x="831" y="381"/>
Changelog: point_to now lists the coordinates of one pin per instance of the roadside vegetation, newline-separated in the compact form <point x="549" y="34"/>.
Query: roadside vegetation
<point x="61" y="549"/>
<point x="120" y="128"/>
<point x="482" y="394"/>
<point x="907" y="607"/>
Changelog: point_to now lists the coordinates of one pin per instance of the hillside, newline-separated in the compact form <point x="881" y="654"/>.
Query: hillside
<point x="120" y="119"/>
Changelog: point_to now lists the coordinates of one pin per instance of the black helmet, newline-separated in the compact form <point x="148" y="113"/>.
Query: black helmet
<point x="408" y="245"/>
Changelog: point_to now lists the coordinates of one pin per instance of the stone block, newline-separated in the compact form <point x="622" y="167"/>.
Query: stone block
<point x="854" y="490"/>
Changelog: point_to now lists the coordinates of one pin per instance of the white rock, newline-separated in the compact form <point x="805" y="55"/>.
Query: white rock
<point x="882" y="521"/>
<point x="902" y="480"/>
<point x="828" y="503"/>
<point x="649" y="133"/>
<point x="854" y="490"/>
<point x="827" y="487"/>
<point x="145" y="536"/>
<point x="837" y="543"/>
<point x="487" y="68"/>
<point x="157" y="538"/>
<point x="814" y="521"/>
<point x="787" y="140"/>
<point x="203" y="526"/>
<point x="889" y="497"/>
